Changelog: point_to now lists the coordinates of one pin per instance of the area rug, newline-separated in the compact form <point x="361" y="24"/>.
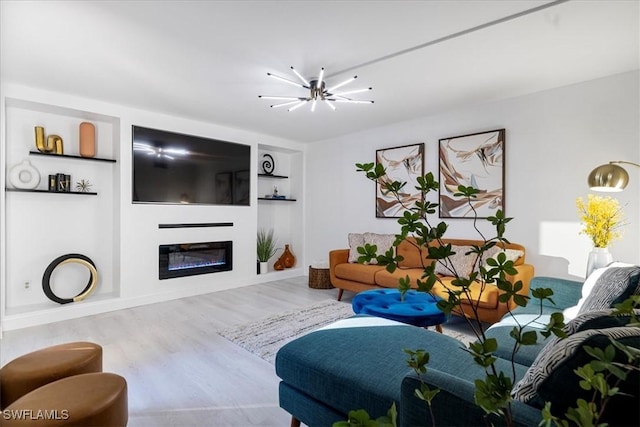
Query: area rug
<point x="265" y="337"/>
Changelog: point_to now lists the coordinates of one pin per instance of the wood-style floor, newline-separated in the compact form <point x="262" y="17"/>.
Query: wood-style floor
<point x="179" y="371"/>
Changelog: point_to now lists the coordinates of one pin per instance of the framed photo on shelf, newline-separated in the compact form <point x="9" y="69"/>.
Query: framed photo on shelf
<point x="474" y="160"/>
<point x="404" y="164"/>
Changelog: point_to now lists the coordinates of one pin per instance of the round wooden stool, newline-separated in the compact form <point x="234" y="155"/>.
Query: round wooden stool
<point x="30" y="371"/>
<point x="85" y="400"/>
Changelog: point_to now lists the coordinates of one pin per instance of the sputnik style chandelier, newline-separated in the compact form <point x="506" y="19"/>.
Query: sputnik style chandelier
<point x="317" y="92"/>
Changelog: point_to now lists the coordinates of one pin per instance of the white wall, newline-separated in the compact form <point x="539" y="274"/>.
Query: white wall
<point x="553" y="140"/>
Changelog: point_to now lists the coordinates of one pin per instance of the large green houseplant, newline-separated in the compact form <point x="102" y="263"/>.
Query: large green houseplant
<point x="493" y="392"/>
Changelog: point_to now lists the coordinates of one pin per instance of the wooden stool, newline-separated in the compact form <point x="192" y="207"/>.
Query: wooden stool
<point x="30" y="371"/>
<point x="85" y="400"/>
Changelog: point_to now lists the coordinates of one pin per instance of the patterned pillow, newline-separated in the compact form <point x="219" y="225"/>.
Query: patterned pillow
<point x="511" y="254"/>
<point x="550" y="367"/>
<point x="355" y="240"/>
<point x="462" y="264"/>
<point x="587" y="287"/>
<point x="600" y="319"/>
<point x="614" y="286"/>
<point x="382" y="241"/>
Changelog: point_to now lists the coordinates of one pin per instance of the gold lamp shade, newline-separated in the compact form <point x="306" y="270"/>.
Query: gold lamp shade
<point x="608" y="178"/>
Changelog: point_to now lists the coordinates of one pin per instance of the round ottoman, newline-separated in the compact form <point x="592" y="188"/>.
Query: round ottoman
<point x="418" y="308"/>
<point x="33" y="370"/>
<point x="87" y="400"/>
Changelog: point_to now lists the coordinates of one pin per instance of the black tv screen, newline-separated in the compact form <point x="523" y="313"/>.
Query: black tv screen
<point x="171" y="167"/>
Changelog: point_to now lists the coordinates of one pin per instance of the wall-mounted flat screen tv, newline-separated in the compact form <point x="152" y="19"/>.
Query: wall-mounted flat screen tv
<point x="175" y="168"/>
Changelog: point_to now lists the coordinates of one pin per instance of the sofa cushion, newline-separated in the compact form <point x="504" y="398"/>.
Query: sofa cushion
<point x="614" y="286"/>
<point x="382" y="241"/>
<point x="552" y="373"/>
<point x="390" y="280"/>
<point x="358" y="272"/>
<point x="356" y="240"/>
<point x="413" y="256"/>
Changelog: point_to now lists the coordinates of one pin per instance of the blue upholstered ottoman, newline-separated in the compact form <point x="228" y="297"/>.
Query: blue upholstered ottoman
<point x="417" y="309"/>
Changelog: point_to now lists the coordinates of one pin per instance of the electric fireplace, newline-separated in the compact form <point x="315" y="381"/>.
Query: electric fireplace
<point x="189" y="259"/>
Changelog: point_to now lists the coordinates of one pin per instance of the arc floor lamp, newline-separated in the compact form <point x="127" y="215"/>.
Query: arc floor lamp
<point x="610" y="177"/>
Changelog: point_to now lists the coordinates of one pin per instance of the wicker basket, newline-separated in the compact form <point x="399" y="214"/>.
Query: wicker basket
<point x="319" y="278"/>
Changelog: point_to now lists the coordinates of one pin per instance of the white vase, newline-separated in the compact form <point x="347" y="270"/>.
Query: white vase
<point x="264" y="267"/>
<point x="598" y="258"/>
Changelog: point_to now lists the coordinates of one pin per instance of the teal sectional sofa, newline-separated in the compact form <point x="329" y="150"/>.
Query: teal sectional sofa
<point x="358" y="365"/>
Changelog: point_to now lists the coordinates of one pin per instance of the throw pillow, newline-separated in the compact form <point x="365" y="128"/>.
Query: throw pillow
<point x="614" y="286"/>
<point x="355" y="240"/>
<point x="382" y="241"/>
<point x="511" y="254"/>
<point x="462" y="264"/>
<point x="587" y="286"/>
<point x="553" y="369"/>
<point x="600" y="319"/>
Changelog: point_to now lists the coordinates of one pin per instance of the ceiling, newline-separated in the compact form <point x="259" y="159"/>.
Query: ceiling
<point x="208" y="60"/>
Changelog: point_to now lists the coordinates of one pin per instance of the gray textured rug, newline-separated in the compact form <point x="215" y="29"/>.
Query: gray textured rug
<point x="265" y="337"/>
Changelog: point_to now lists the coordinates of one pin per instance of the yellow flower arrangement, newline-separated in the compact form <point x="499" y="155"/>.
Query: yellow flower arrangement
<point x="602" y="217"/>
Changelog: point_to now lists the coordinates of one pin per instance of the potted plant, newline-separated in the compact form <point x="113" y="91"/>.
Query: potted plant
<point x="266" y="248"/>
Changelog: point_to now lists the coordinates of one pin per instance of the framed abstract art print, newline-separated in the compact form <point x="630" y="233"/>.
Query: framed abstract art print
<point x="475" y="160"/>
<point x="404" y="164"/>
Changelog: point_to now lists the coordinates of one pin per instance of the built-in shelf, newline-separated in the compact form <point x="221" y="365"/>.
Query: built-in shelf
<point x="271" y="199"/>
<point x="266" y="175"/>
<point x="22" y="190"/>
<point x="72" y="156"/>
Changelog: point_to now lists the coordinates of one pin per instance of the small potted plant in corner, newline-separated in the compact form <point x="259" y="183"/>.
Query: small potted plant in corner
<point x="266" y="248"/>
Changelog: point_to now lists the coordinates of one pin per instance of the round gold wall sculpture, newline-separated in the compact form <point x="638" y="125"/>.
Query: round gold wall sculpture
<point x="66" y="259"/>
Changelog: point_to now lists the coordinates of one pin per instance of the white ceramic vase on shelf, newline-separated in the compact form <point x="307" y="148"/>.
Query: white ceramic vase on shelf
<point x="598" y="258"/>
<point x="264" y="267"/>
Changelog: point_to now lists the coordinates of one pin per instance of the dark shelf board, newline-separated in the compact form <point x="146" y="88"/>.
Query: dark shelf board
<point x="20" y="190"/>
<point x="266" y="175"/>
<point x="276" y="200"/>
<point x="71" y="156"/>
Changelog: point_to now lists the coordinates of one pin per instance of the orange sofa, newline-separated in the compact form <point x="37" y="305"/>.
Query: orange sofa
<point x="355" y="277"/>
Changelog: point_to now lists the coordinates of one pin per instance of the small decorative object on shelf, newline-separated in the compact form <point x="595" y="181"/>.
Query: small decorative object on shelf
<point x="24" y="176"/>
<point x="40" y="139"/>
<point x="59" y="183"/>
<point x="87" y="139"/>
<point x="83" y="185"/>
<point x="64" y="182"/>
<point x="55" y="141"/>
<point x="52" y="145"/>
<point x="268" y="165"/>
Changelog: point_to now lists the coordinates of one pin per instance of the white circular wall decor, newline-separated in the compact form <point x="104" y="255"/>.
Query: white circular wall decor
<point x="24" y="176"/>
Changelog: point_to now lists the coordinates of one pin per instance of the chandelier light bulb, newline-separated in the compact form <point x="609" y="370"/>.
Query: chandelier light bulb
<point x="284" y="104"/>
<point x="351" y="92"/>
<point x="285" y="80"/>
<point x="300" y="104"/>
<point x="300" y="76"/>
<point x="331" y="89"/>
<point x="319" y="84"/>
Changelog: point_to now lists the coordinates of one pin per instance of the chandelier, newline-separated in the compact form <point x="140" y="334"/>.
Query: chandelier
<point x="318" y="92"/>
